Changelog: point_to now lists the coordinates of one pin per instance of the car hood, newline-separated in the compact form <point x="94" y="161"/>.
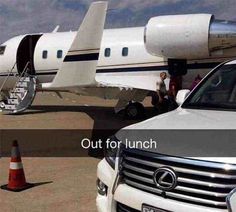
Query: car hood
<point x="190" y="119"/>
<point x="186" y="133"/>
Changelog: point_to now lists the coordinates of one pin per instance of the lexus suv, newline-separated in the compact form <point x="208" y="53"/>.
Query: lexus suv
<point x="191" y="169"/>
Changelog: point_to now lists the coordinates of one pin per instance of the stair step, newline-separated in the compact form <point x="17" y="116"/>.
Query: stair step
<point x="10" y="107"/>
<point x="16" y="95"/>
<point x="22" y="84"/>
<point x="22" y="96"/>
<point x="19" y="90"/>
<point x="13" y="101"/>
<point x="25" y="79"/>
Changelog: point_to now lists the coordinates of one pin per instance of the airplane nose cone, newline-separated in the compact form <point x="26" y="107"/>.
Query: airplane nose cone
<point x="222" y="35"/>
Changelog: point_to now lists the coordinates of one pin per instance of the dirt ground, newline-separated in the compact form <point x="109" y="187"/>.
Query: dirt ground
<point x="48" y="134"/>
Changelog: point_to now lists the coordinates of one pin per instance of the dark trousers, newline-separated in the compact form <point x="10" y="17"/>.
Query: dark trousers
<point x="166" y="105"/>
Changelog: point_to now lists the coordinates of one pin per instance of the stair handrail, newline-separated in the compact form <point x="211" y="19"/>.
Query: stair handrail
<point x="6" y="79"/>
<point x="21" y="75"/>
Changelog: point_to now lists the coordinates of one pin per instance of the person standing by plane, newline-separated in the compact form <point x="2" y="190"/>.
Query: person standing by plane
<point x="162" y="93"/>
<point x="197" y="79"/>
<point x="175" y="85"/>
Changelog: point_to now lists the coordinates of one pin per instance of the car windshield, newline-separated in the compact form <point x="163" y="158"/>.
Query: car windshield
<point x="216" y="92"/>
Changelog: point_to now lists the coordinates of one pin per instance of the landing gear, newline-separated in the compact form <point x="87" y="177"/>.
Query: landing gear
<point x="134" y="110"/>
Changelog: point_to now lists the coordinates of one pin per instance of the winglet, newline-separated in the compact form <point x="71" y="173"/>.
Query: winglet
<point x="56" y="29"/>
<point x="79" y="65"/>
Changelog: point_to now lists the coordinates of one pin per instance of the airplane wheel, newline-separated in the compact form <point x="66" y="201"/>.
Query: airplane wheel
<point x="134" y="110"/>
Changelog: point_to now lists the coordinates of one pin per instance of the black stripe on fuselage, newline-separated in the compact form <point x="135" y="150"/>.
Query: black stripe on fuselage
<point x="38" y="74"/>
<point x="46" y="73"/>
<point x="7" y="74"/>
<point x="158" y="68"/>
<point x="129" y="69"/>
<point x="149" y="68"/>
<point x="81" y="57"/>
<point x="203" y="65"/>
<point x="141" y="69"/>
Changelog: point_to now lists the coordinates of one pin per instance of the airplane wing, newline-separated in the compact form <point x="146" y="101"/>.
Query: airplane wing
<point x="141" y="82"/>
<point x="79" y="65"/>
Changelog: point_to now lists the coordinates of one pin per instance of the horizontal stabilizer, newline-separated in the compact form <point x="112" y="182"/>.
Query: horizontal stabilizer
<point x="79" y="65"/>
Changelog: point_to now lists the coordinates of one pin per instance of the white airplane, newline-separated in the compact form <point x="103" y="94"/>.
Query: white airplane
<point x="121" y="64"/>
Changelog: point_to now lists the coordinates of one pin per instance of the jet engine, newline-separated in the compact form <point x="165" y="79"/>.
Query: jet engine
<point x="193" y="36"/>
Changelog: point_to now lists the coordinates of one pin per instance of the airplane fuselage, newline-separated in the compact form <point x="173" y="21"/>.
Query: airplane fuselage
<point x="123" y="59"/>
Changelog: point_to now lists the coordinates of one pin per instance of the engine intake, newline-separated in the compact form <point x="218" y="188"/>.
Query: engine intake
<point x="189" y="36"/>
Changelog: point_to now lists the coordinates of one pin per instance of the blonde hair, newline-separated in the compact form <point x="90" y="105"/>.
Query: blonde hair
<point x="163" y="74"/>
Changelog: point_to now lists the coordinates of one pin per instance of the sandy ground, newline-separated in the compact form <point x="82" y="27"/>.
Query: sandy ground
<point x="63" y="183"/>
<point x="72" y="112"/>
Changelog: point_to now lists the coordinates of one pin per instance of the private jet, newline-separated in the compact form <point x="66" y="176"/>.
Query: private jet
<point x="122" y="64"/>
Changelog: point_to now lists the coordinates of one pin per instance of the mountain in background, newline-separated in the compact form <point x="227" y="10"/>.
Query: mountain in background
<point x="30" y="16"/>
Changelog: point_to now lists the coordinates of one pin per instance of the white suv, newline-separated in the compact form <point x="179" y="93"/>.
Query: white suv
<point x="158" y="180"/>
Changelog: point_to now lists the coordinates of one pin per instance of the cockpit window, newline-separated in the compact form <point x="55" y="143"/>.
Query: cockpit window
<point x="2" y="49"/>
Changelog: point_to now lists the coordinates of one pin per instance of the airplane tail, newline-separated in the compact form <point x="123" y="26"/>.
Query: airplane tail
<point x="79" y="65"/>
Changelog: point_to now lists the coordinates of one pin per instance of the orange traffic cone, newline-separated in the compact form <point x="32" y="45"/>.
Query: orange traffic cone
<point x="16" y="181"/>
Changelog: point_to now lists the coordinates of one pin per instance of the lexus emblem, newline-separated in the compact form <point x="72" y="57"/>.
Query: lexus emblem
<point x="165" y="178"/>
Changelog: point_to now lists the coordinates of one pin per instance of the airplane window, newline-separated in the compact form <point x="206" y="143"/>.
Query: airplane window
<point x="59" y="54"/>
<point x="2" y="49"/>
<point x="125" y="52"/>
<point x="107" y="52"/>
<point x="45" y="54"/>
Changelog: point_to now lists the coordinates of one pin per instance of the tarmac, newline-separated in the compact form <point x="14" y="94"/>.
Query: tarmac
<point x="49" y="134"/>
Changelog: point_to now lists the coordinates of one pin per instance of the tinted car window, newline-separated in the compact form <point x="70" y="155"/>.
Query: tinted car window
<point x="218" y="90"/>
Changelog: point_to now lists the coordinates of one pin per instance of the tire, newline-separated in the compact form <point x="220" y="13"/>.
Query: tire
<point x="134" y="110"/>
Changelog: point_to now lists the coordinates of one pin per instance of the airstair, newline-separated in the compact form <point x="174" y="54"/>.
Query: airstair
<point x="23" y="93"/>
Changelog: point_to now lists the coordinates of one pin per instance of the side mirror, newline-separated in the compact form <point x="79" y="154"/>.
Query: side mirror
<point x="181" y="96"/>
<point x="231" y="201"/>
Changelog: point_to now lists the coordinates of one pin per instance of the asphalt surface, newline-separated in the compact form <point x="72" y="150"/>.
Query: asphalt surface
<point x="49" y="136"/>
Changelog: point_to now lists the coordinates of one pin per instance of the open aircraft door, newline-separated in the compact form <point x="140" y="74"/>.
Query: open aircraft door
<point x="25" y="54"/>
